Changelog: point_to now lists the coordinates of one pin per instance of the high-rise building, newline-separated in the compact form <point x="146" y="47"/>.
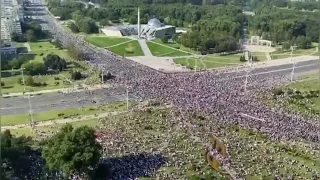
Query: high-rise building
<point x="11" y="17"/>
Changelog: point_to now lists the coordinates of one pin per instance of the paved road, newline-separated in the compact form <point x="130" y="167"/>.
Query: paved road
<point x="55" y="101"/>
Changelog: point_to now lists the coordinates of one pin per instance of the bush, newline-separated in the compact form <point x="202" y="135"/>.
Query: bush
<point x="41" y="54"/>
<point x="76" y="75"/>
<point x="242" y="59"/>
<point x="255" y="58"/>
<point x="2" y="84"/>
<point x="56" y="78"/>
<point x="29" y="81"/>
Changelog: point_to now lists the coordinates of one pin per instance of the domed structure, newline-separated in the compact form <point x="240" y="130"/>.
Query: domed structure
<point x="154" y="22"/>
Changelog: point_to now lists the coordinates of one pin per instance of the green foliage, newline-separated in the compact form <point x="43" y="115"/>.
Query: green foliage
<point x="14" y="155"/>
<point x="53" y="61"/>
<point x="76" y="75"/>
<point x="242" y="59"/>
<point x="2" y="84"/>
<point x="165" y="39"/>
<point x="34" y="68"/>
<point x="30" y="36"/>
<point x="29" y="81"/>
<point x="74" y="28"/>
<point x="72" y="150"/>
<point x="104" y="22"/>
<point x="75" y="53"/>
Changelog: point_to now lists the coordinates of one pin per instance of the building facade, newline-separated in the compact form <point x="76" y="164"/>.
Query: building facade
<point x="11" y="18"/>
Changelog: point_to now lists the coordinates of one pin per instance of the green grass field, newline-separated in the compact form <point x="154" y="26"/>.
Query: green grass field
<point x="287" y="54"/>
<point x="105" y="42"/>
<point x="61" y="114"/>
<point x="131" y="48"/>
<point x="162" y="51"/>
<point x="176" y="46"/>
<point x="11" y="84"/>
<point x="41" y="46"/>
<point x="42" y="49"/>
<point x="208" y="62"/>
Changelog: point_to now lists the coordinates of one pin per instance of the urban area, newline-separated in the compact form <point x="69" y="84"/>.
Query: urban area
<point x="160" y="89"/>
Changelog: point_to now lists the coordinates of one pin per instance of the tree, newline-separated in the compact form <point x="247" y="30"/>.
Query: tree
<point x="75" y="53"/>
<point x="72" y="151"/>
<point x="34" y="68"/>
<point x="29" y="81"/>
<point x="54" y="62"/>
<point x="133" y="20"/>
<point x="104" y="22"/>
<point x="30" y="36"/>
<point x="74" y="28"/>
<point x="164" y="39"/>
<point x="76" y="75"/>
<point x="2" y="84"/>
<point x="15" y="153"/>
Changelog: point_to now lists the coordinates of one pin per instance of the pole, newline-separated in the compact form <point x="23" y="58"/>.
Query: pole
<point x="29" y="100"/>
<point x="247" y="74"/>
<point x="293" y="65"/>
<point x="127" y="98"/>
<point x="195" y="65"/>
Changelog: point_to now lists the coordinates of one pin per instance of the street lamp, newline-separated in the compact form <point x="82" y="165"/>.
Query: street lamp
<point x="247" y="73"/>
<point x="293" y="64"/>
<point x="24" y="90"/>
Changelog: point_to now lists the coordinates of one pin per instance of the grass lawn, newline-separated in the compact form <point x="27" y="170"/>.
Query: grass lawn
<point x="123" y="50"/>
<point x="40" y="46"/>
<point x="51" y="128"/>
<point x="287" y="54"/>
<point x="104" y="42"/>
<point x="260" y="55"/>
<point x="208" y="62"/>
<point x="12" y="85"/>
<point x="161" y="51"/>
<point x="175" y="45"/>
<point x="61" y="114"/>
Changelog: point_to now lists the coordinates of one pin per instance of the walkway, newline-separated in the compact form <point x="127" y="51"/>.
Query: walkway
<point x="145" y="48"/>
<point x="27" y="45"/>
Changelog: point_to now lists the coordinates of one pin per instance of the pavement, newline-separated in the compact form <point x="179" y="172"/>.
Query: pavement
<point x="145" y="48"/>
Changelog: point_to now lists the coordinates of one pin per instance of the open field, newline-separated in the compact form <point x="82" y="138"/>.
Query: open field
<point x="12" y="85"/>
<point x="175" y="45"/>
<point x="287" y="54"/>
<point x="61" y="114"/>
<point x="162" y="51"/>
<point x="131" y="48"/>
<point x="208" y="62"/>
<point x="36" y="46"/>
<point x="105" y="42"/>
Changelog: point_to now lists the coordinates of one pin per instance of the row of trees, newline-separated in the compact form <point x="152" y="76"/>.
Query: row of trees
<point x="81" y="158"/>
<point x="31" y="32"/>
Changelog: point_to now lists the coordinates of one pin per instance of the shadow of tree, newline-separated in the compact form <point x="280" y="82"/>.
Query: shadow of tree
<point x="134" y="165"/>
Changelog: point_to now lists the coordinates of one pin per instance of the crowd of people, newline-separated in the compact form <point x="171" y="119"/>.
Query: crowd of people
<point x="210" y="95"/>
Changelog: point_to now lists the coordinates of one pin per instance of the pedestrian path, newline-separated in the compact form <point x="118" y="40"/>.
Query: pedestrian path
<point x="144" y="47"/>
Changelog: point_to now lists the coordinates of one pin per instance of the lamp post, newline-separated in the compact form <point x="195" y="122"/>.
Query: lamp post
<point x="127" y="92"/>
<point x="293" y="65"/>
<point x="247" y="73"/>
<point x="29" y="100"/>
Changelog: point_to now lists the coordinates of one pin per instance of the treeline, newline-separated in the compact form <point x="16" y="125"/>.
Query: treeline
<point x="306" y="5"/>
<point x="280" y="26"/>
<point x="218" y="31"/>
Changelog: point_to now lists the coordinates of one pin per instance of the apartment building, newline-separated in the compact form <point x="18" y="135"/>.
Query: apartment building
<point x="11" y="18"/>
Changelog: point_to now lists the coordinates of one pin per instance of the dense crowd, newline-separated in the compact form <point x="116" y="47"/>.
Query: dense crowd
<point x="211" y="95"/>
